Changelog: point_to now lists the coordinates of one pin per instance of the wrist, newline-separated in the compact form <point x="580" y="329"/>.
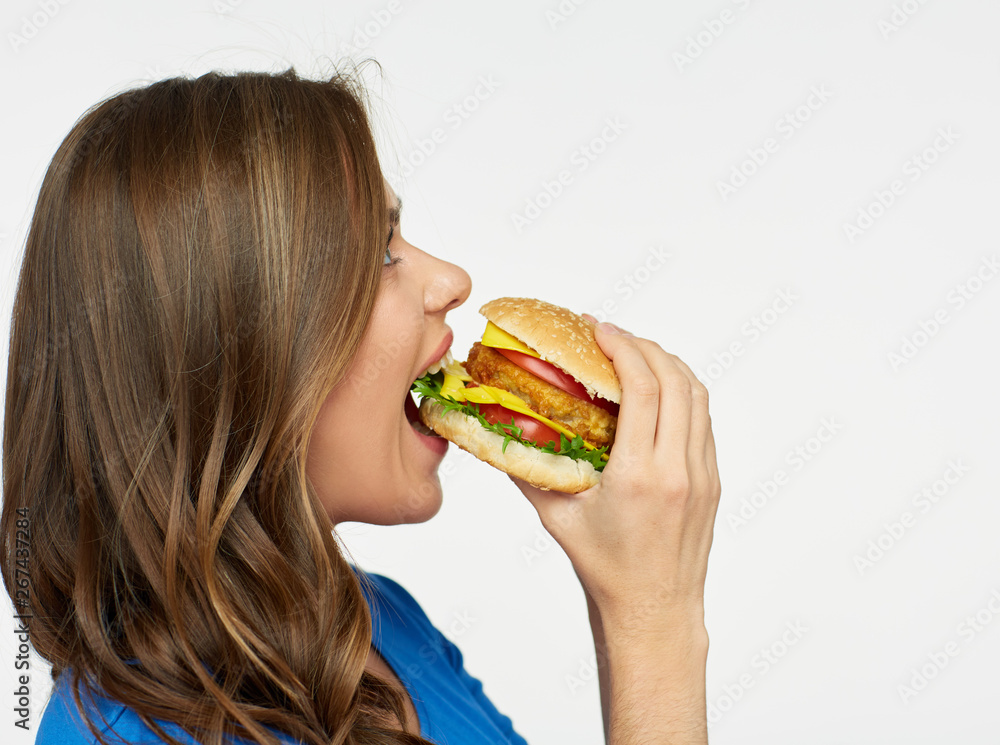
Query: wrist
<point x="648" y="619"/>
<point x="673" y="644"/>
<point x="685" y="643"/>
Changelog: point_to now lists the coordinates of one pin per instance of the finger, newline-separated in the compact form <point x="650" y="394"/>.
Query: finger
<point x="540" y="499"/>
<point x="707" y="505"/>
<point x="673" y="427"/>
<point x="710" y="458"/>
<point x="556" y="510"/>
<point x="594" y="321"/>
<point x="712" y="506"/>
<point x="701" y="452"/>
<point x="639" y="408"/>
<point x="701" y="423"/>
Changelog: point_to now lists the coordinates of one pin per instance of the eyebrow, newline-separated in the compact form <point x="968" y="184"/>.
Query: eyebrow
<point x="394" y="211"/>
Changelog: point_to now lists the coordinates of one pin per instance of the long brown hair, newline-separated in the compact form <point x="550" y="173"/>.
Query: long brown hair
<point x="200" y="268"/>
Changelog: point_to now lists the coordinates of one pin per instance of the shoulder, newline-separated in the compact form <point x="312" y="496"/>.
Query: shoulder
<point x="62" y="722"/>
<point x="393" y="608"/>
<point x="382" y="590"/>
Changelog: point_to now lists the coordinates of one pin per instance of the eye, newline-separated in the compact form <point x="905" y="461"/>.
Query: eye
<point x="388" y="259"/>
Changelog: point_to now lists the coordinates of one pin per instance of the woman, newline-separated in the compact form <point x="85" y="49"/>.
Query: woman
<point x="216" y="325"/>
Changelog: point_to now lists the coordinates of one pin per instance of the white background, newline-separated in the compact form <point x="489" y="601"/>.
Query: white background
<point x="697" y="97"/>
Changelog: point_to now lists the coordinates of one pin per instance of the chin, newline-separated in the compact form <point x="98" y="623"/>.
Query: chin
<point x="413" y="505"/>
<point x="418" y="505"/>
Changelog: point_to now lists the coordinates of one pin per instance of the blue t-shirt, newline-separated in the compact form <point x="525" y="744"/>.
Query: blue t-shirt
<point x="450" y="703"/>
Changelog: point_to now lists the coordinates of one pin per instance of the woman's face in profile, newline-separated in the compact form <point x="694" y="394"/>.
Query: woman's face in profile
<point x="365" y="460"/>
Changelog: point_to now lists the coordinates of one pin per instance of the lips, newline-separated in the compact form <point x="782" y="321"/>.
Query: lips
<point x="409" y="404"/>
<point x="439" y="352"/>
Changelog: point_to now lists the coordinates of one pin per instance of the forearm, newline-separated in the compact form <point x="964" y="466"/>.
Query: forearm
<point x="652" y="677"/>
<point x="601" y="652"/>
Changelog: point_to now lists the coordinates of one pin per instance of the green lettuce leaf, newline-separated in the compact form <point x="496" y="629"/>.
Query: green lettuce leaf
<point x="429" y="386"/>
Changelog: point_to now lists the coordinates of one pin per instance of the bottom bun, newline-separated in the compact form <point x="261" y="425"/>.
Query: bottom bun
<point x="544" y="470"/>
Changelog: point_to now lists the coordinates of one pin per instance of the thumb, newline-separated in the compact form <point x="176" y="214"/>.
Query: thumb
<point x="534" y="494"/>
<point x="557" y="510"/>
<point x="610" y="338"/>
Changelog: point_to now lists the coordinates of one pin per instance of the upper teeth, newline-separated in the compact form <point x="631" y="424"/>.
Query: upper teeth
<point x="445" y="361"/>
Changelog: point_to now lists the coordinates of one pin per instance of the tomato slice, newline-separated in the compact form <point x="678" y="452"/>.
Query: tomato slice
<point x="531" y="429"/>
<point x="554" y="376"/>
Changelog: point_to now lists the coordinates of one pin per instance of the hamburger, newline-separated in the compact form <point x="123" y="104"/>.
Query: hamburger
<point x="536" y="398"/>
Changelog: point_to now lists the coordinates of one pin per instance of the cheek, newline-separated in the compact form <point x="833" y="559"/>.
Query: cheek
<point x="325" y="455"/>
<point x="353" y="456"/>
<point x="357" y="462"/>
<point x="338" y="445"/>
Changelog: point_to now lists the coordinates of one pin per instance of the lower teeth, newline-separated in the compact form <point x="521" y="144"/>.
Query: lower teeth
<point x="424" y="429"/>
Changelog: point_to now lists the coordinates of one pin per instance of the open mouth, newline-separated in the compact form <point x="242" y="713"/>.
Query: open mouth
<point x="413" y="417"/>
<point x="445" y="362"/>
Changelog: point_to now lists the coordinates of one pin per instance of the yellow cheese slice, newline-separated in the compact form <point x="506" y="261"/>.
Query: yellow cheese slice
<point x="496" y="337"/>
<point x="453" y="388"/>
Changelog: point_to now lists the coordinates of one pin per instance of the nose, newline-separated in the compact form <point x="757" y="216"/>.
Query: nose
<point x="448" y="286"/>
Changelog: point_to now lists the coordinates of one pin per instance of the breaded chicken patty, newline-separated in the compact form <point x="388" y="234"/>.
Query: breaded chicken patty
<point x="488" y="367"/>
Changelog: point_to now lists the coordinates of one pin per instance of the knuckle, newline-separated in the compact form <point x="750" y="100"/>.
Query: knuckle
<point x="641" y="484"/>
<point x="646" y="387"/>
<point x="677" y="484"/>
<point x="632" y="476"/>
<point x="652" y="345"/>
<point x="699" y="391"/>
<point x="677" y="381"/>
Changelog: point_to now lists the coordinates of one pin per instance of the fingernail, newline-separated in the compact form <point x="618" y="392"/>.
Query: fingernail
<point x="608" y="328"/>
<point x="589" y="317"/>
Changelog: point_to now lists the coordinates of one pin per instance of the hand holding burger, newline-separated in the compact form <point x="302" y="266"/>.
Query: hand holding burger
<point x="639" y="536"/>
<point x="639" y="543"/>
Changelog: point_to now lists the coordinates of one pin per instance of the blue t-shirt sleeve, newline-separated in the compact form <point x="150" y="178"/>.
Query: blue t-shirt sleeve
<point x="62" y="722"/>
